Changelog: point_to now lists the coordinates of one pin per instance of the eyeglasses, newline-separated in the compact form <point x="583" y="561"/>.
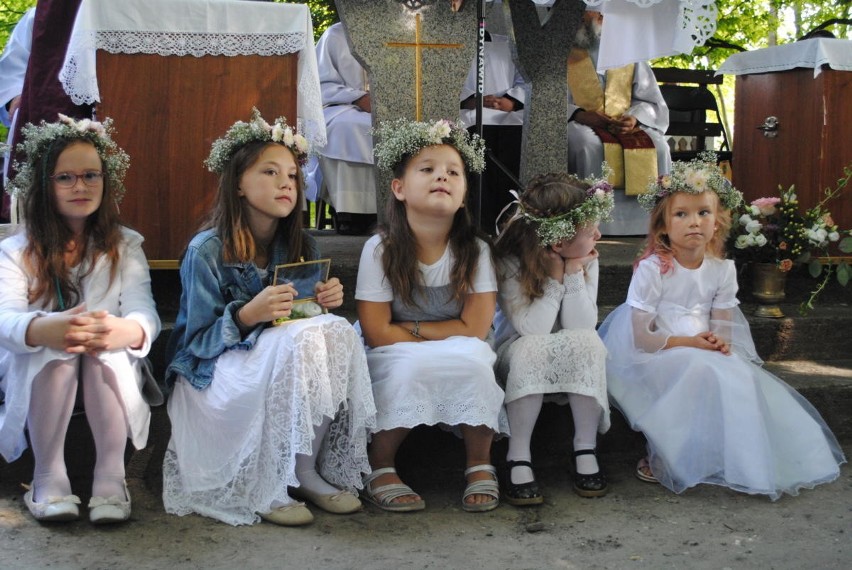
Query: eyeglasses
<point x="69" y="179"/>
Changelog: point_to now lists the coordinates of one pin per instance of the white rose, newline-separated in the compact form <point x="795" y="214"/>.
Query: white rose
<point x="287" y="137"/>
<point x="760" y="239"/>
<point x="753" y="226"/>
<point x="742" y="242"/>
<point x="833" y="236"/>
<point x="755" y="211"/>
<point x="301" y="143"/>
<point x="745" y="219"/>
<point x="277" y="132"/>
<point x="750" y="240"/>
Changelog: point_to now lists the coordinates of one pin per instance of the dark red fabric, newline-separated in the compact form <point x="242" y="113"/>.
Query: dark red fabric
<point x="634" y="140"/>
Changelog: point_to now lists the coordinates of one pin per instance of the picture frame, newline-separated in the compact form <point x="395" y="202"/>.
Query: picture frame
<point x="303" y="276"/>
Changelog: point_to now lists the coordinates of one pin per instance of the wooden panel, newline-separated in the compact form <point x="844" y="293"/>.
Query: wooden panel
<point x="813" y="142"/>
<point x="167" y="112"/>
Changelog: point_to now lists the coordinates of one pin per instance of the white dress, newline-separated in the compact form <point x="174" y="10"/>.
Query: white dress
<point x="549" y="346"/>
<point x="448" y="382"/>
<point x="128" y="296"/>
<point x="708" y="417"/>
<point x="238" y="437"/>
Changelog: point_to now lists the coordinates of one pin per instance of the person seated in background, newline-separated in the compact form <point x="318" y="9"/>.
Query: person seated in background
<point x="346" y="162"/>
<point x="13" y="68"/>
<point x="503" y="101"/>
<point x="611" y="113"/>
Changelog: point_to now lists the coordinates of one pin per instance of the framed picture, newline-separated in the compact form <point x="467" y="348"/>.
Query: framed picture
<point x="303" y="277"/>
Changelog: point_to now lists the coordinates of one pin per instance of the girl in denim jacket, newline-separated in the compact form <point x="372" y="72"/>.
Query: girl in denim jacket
<point x="261" y="415"/>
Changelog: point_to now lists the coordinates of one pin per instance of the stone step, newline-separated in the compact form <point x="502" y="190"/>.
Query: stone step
<point x="815" y="336"/>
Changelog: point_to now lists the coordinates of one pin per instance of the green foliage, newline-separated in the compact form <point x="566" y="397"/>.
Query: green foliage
<point x="10" y="12"/>
<point x="323" y="13"/>
<point x="746" y="25"/>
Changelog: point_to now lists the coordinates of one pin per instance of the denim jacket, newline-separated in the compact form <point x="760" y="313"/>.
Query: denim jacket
<point x="213" y="292"/>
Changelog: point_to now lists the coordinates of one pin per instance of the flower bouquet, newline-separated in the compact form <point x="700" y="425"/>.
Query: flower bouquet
<point x="775" y="230"/>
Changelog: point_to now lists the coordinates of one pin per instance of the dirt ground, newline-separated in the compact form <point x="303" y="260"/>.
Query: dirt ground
<point x="636" y="526"/>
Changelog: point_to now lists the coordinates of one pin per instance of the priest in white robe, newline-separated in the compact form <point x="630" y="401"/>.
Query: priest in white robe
<point x="504" y="96"/>
<point x="504" y="92"/>
<point x="13" y="69"/>
<point x="346" y="162"/>
<point x="644" y="110"/>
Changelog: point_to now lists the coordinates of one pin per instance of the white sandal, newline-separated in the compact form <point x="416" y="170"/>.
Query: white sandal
<point x="488" y="487"/>
<point x="384" y="496"/>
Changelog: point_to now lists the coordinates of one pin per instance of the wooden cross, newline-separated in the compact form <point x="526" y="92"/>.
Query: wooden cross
<point x="418" y="60"/>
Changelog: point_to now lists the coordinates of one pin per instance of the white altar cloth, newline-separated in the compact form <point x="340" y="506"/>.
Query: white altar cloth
<point x="813" y="53"/>
<point x="197" y="28"/>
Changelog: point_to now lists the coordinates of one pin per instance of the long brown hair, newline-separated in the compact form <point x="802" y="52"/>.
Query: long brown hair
<point x="399" y="258"/>
<point x="229" y="217"/>
<point x="48" y="235"/>
<point x="546" y="196"/>
<point x="658" y="243"/>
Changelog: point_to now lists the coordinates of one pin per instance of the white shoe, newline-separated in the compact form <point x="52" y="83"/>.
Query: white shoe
<point x="56" y="509"/>
<point x="294" y="514"/>
<point x="108" y="510"/>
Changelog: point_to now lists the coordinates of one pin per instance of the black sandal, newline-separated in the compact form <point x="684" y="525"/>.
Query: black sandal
<point x="521" y="494"/>
<point x="593" y="484"/>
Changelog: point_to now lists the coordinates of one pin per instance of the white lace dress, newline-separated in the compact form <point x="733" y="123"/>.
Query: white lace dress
<point x="549" y="345"/>
<point x="438" y="382"/>
<point x="708" y="417"/>
<point x="238" y="437"/>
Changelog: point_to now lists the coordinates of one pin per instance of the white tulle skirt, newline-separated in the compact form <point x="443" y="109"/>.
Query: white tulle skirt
<point x="712" y="418"/>
<point x="448" y="382"/>
<point x="233" y="446"/>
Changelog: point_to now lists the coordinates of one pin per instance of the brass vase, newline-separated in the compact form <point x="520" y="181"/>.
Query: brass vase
<point x="768" y="287"/>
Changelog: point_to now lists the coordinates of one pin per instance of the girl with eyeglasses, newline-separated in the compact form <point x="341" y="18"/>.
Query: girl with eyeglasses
<point x="76" y="315"/>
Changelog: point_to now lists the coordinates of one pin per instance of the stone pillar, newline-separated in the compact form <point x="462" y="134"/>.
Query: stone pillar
<point x="372" y="24"/>
<point x="542" y="57"/>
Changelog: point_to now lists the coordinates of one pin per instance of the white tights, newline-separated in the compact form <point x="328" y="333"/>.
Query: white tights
<point x="54" y="392"/>
<point x="306" y="466"/>
<point x="523" y="414"/>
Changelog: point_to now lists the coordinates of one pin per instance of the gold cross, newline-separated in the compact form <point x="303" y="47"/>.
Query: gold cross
<point x="418" y="60"/>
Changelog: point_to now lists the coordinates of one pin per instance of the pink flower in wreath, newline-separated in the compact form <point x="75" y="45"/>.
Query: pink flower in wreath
<point x="766" y="205"/>
<point x="782" y="246"/>
<point x="828" y="220"/>
<point x="785" y="265"/>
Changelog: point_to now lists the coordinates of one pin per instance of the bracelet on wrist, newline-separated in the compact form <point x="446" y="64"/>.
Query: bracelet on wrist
<point x="239" y="322"/>
<point x="415" y="332"/>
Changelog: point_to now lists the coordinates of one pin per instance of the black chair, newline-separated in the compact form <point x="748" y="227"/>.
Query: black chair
<point x="689" y="109"/>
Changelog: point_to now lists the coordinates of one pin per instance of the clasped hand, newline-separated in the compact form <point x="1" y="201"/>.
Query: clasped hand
<point x="621" y="125"/>
<point x="710" y="341"/>
<point x="80" y="331"/>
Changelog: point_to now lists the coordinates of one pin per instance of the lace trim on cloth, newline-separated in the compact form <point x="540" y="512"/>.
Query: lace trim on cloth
<point x="697" y="20"/>
<point x="81" y="83"/>
<point x="83" y="89"/>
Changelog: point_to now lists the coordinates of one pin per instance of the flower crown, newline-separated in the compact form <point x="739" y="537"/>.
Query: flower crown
<point x="693" y="177"/>
<point x="402" y="138"/>
<point x="258" y="130"/>
<point x="37" y="141"/>
<point x="596" y="207"/>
